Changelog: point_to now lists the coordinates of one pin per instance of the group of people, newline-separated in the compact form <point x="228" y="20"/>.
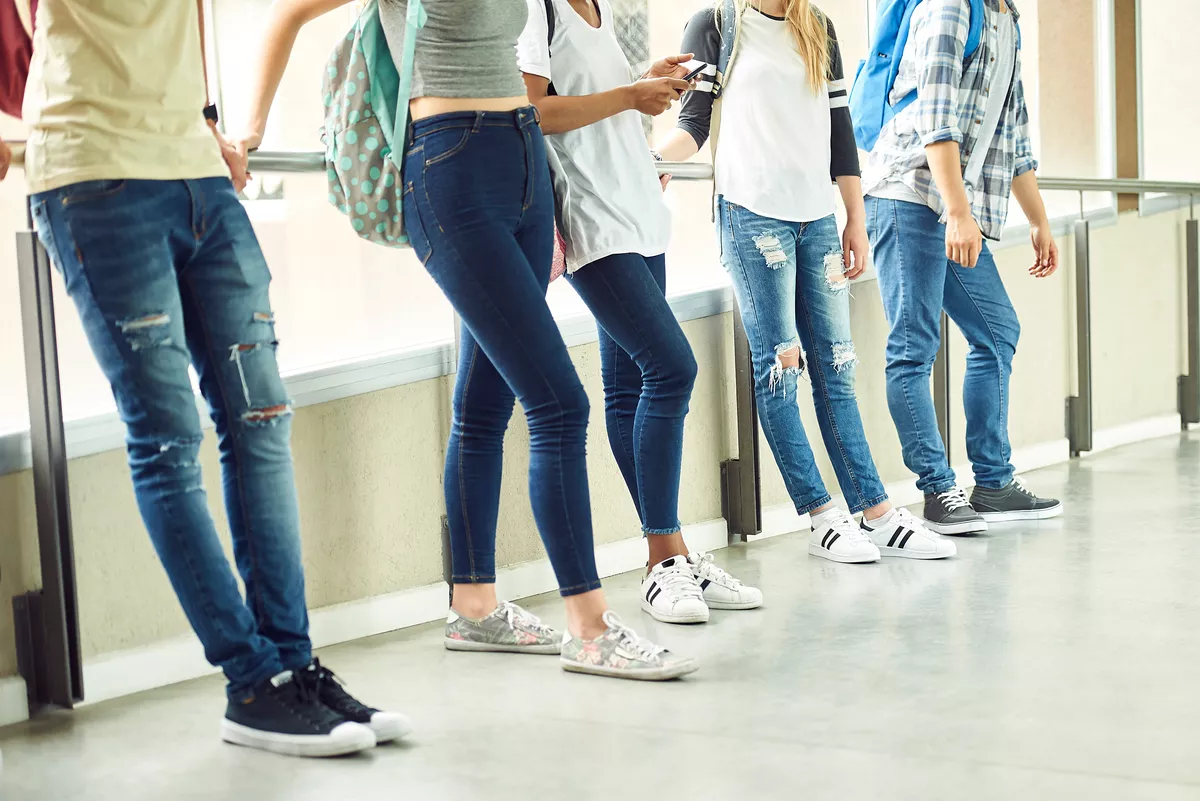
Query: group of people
<point x="524" y="114"/>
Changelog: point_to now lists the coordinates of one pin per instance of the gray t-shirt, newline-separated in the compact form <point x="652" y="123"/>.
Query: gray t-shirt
<point x="466" y="49"/>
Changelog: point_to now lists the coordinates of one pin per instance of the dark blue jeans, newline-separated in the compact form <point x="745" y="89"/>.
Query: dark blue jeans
<point x="167" y="275"/>
<point x="480" y="213"/>
<point x="648" y="371"/>
<point x="917" y="281"/>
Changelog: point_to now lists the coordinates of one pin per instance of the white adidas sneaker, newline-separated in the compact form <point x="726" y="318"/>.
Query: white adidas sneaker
<point x="671" y="594"/>
<point x="721" y="590"/>
<point x="837" y="537"/>
<point x="905" y="536"/>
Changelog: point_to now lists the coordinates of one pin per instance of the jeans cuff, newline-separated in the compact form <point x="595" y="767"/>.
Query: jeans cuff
<point x="242" y="692"/>
<point x="579" y="589"/>
<point x="473" y="579"/>
<point x="661" y="531"/>
<point x="864" y="505"/>
<point x="938" y="490"/>
<point x="817" y="504"/>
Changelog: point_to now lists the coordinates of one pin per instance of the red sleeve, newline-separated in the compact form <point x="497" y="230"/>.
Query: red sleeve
<point x="15" y="52"/>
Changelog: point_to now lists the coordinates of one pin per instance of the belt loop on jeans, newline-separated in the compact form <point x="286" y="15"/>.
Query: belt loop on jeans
<point x="478" y="122"/>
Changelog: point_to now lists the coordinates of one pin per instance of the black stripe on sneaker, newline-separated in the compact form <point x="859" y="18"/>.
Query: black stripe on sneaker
<point x="704" y="584"/>
<point x="832" y="540"/>
<point x="653" y="586"/>
<point x="895" y="536"/>
<point x="655" y="595"/>
<point x="905" y="540"/>
<point x="825" y="539"/>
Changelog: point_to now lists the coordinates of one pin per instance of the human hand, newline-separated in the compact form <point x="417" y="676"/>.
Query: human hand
<point x="236" y="158"/>
<point x="5" y="159"/>
<point x="964" y="240"/>
<point x="669" y="67"/>
<point x="856" y="249"/>
<point x="653" y="96"/>
<point x="1045" y="250"/>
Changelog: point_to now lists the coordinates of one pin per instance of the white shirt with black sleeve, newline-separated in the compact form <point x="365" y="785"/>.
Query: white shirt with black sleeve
<point x="781" y="143"/>
<point x="606" y="186"/>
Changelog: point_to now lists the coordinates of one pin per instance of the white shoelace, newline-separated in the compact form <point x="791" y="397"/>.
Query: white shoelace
<point x="954" y="498"/>
<point x="630" y="640"/>
<point x="677" y="580"/>
<point x="513" y="613"/>
<point x="707" y="568"/>
<point x="844" y="524"/>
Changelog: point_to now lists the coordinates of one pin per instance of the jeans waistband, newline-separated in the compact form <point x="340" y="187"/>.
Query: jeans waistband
<point x="522" y="117"/>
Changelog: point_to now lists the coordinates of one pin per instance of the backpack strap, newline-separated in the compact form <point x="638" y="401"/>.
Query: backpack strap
<point x="550" y="24"/>
<point x="414" y="21"/>
<point x="975" y="32"/>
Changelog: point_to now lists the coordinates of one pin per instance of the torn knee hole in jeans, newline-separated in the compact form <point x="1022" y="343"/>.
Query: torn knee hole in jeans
<point x="269" y="415"/>
<point x="147" y="331"/>
<point x="835" y="272"/>
<point x="182" y="450"/>
<point x="772" y="250"/>
<point x="264" y="317"/>
<point x="237" y="354"/>
<point x="788" y="362"/>
<point x="844" y="356"/>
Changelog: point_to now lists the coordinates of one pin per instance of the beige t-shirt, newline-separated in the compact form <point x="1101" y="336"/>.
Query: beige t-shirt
<point x="116" y="90"/>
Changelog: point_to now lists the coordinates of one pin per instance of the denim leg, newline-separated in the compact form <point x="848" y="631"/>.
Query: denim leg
<point x="231" y="335"/>
<point x="479" y="207"/>
<point x="823" y="317"/>
<point x="626" y="293"/>
<point x="622" y="381"/>
<point x="979" y="305"/>
<point x="910" y="257"/>
<point x="760" y="255"/>
<point x="119" y="245"/>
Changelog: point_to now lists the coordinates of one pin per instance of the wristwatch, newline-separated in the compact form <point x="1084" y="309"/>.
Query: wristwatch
<point x="657" y="155"/>
<point x="210" y="113"/>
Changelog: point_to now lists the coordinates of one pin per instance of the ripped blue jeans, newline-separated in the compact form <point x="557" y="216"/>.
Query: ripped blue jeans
<point x="795" y="302"/>
<point x="168" y="275"/>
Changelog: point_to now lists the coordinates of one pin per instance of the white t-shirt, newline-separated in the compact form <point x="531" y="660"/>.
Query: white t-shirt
<point x="116" y="90"/>
<point x="606" y="185"/>
<point x="775" y="131"/>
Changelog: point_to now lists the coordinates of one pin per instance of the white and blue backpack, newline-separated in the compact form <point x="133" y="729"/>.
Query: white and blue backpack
<point x="870" y="99"/>
<point x="366" y="125"/>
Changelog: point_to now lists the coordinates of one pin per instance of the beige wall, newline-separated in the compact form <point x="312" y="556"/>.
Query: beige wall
<point x="369" y="467"/>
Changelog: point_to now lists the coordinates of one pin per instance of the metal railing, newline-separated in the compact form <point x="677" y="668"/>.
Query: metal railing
<point x="47" y="619"/>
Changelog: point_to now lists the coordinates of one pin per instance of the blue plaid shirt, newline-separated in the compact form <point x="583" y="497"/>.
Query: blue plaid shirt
<point x="951" y="102"/>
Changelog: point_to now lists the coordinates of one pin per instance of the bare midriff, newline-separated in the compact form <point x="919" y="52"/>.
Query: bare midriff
<point x="424" y="107"/>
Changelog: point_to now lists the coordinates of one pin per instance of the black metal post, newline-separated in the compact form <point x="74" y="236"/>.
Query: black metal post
<point x="1079" y="407"/>
<point x="941" y="386"/>
<point x="1189" y="385"/>
<point x="741" y="491"/>
<point x="47" y="619"/>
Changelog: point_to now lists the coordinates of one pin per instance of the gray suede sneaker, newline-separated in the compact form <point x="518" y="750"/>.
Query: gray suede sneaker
<point x="1013" y="502"/>
<point x="510" y="629"/>
<point x="950" y="512"/>
<point x="619" y="653"/>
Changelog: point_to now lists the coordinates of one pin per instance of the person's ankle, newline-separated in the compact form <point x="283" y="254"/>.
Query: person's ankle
<point x="664" y="546"/>
<point x="589" y="630"/>
<point x="474" y="601"/>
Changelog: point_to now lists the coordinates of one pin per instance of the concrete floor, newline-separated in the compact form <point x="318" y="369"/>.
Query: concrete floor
<point x="1056" y="660"/>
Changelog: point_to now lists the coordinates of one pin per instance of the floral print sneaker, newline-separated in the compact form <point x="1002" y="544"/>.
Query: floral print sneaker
<point x="620" y="653"/>
<point x="510" y="629"/>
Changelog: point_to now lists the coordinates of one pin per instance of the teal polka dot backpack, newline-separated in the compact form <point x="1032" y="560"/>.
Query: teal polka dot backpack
<point x="366" y="121"/>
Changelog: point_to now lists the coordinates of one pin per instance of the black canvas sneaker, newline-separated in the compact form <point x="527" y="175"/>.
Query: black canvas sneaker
<point x="950" y="512"/>
<point x="1013" y="502"/>
<point x="285" y="716"/>
<point x="387" y="726"/>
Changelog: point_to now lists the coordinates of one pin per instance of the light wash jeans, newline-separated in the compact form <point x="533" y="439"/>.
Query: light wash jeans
<point x="917" y="281"/>
<point x="167" y="275"/>
<point x="792" y="290"/>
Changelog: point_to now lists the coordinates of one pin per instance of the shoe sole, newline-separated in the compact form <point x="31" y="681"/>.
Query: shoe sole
<point x="817" y="550"/>
<point x="664" y="617"/>
<point x="903" y="554"/>
<point x="658" y="674"/>
<point x="389" y="733"/>
<point x="498" y="648"/>
<point x="301" y="745"/>
<point x="1024" y="514"/>
<point x="971" y="527"/>
<point x="729" y="606"/>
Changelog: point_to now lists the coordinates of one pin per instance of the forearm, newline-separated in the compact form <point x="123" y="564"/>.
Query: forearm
<point x="677" y="145"/>
<point x="945" y="162"/>
<point x="850" y="187"/>
<point x="1025" y="188"/>
<point x="561" y="114"/>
